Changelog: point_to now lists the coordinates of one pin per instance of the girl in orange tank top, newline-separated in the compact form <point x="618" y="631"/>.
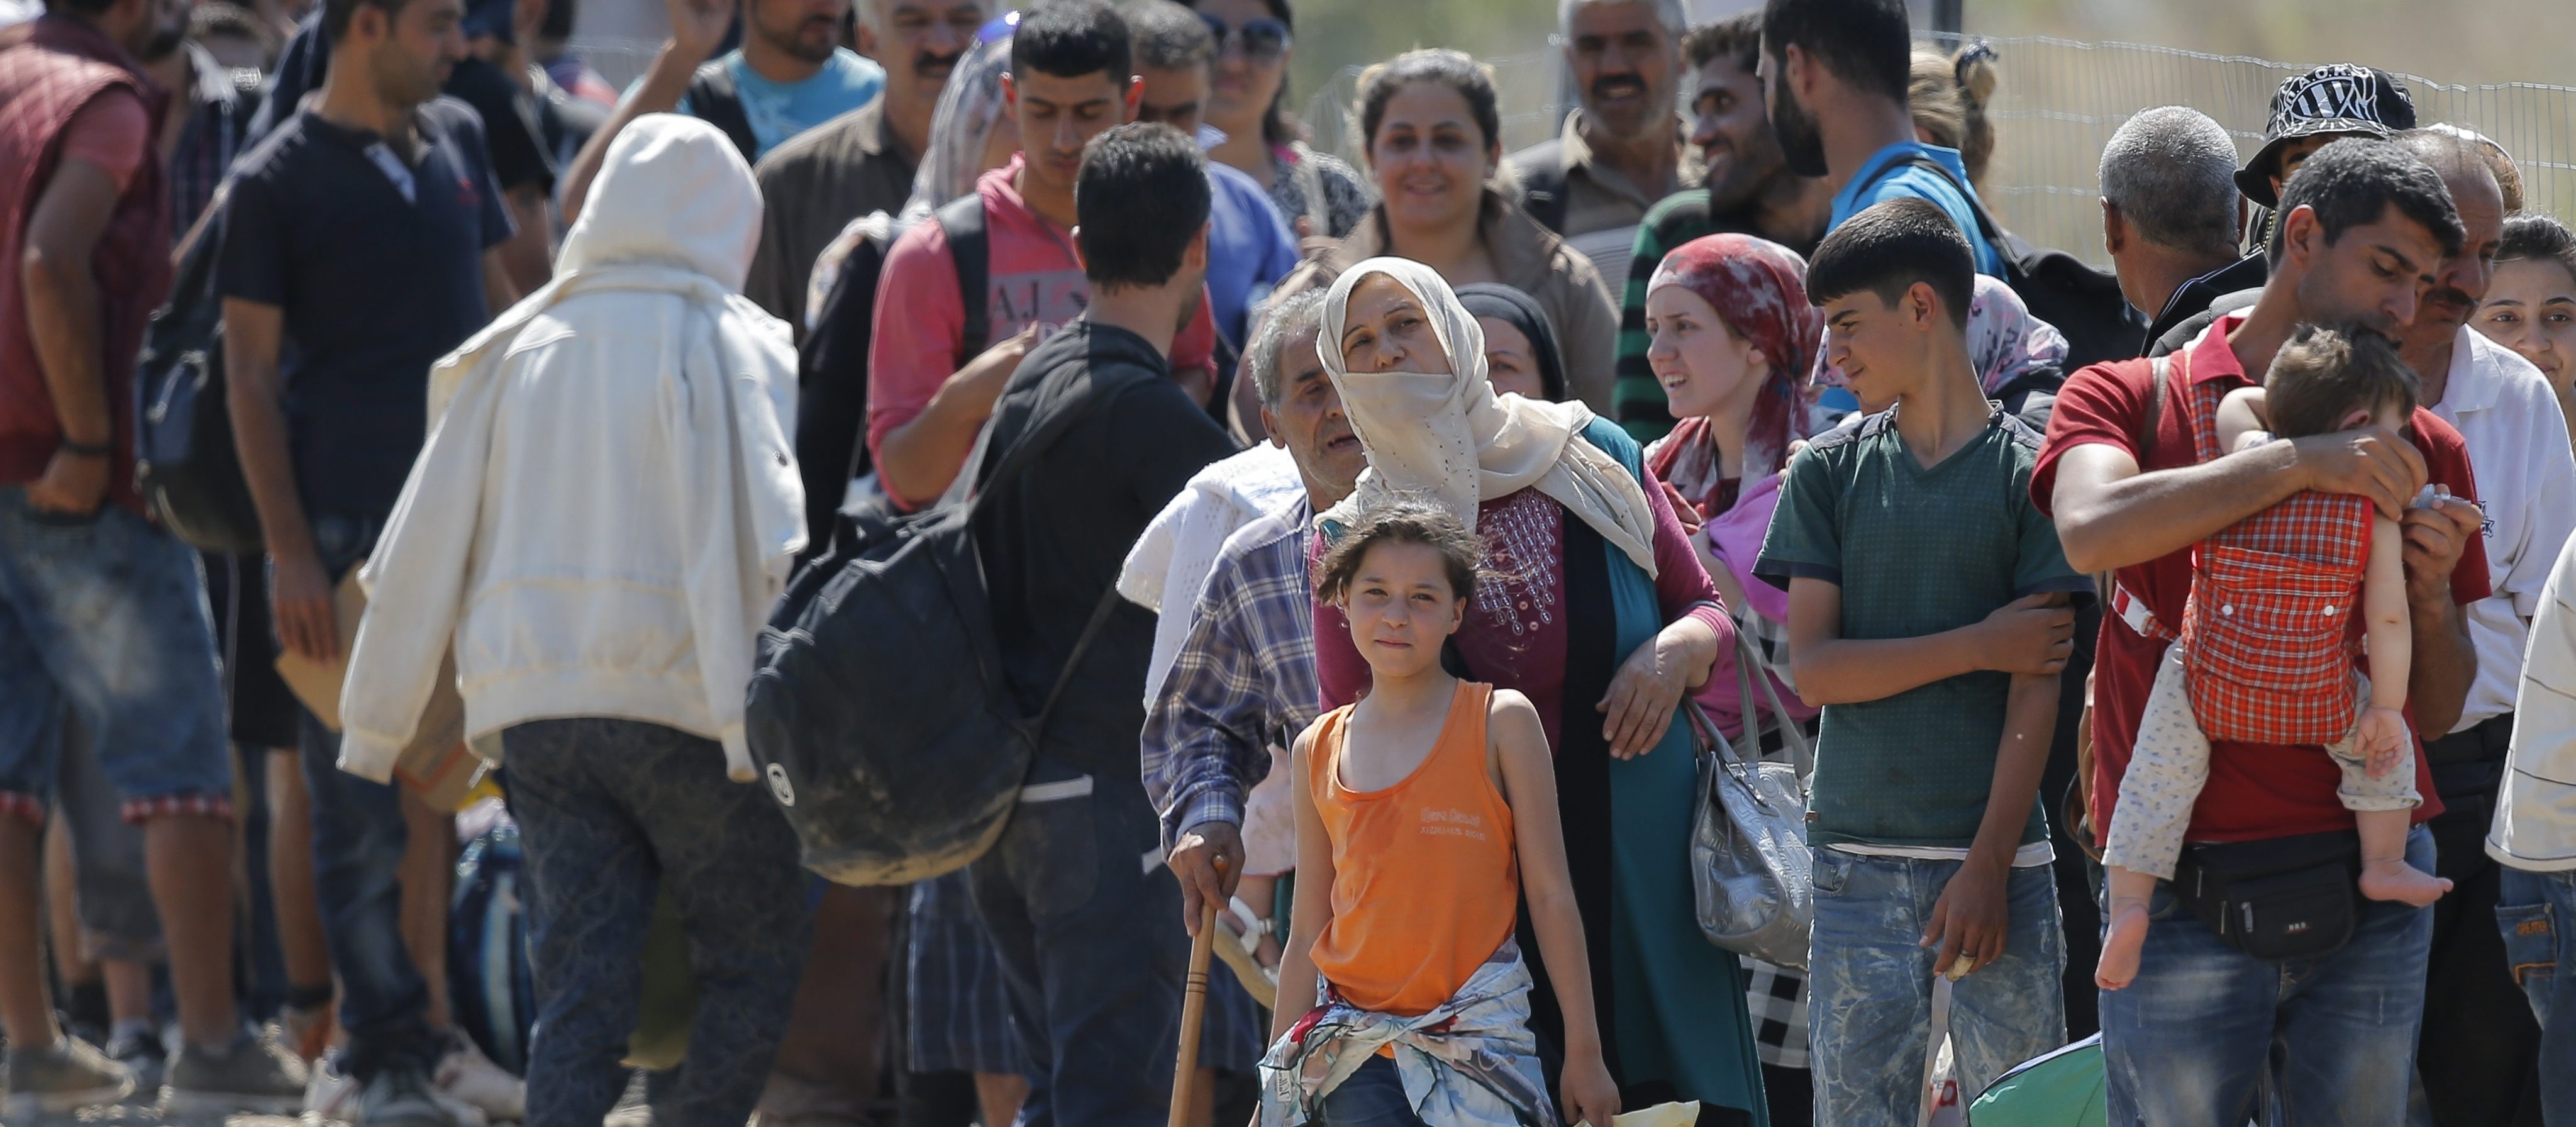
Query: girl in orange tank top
<point x="1424" y="813"/>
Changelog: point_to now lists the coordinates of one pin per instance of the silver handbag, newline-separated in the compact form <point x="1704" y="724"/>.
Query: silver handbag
<point x="1748" y="848"/>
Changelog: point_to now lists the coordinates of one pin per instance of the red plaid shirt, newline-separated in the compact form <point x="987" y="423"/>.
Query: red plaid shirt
<point x="2269" y="623"/>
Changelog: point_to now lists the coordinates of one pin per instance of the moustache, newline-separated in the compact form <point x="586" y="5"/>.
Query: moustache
<point x="932" y="62"/>
<point x="2451" y="296"/>
<point x="1610" y="85"/>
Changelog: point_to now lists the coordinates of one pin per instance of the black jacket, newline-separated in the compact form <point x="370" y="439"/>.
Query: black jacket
<point x="2196" y="296"/>
<point x="1054" y="540"/>
<point x="2182" y="334"/>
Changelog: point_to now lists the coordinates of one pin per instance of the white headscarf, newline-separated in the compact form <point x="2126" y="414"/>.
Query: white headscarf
<point x="1449" y="439"/>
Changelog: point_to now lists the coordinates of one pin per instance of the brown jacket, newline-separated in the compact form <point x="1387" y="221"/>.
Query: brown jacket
<point x="812" y="186"/>
<point x="1528" y="256"/>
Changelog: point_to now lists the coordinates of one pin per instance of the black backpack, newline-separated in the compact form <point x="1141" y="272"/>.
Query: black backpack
<point x="2084" y="303"/>
<point x="832" y="364"/>
<point x="183" y="438"/>
<point x="714" y="100"/>
<point x="878" y="709"/>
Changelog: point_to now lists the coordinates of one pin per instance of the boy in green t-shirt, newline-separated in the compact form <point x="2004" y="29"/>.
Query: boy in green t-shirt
<point x="1930" y="613"/>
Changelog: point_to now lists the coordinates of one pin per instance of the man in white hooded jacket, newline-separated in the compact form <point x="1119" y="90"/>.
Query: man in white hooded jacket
<point x="606" y="508"/>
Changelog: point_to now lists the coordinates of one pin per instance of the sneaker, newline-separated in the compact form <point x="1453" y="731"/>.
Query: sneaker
<point x="143" y="1054"/>
<point x="65" y="1078"/>
<point x="329" y="1096"/>
<point x="253" y="1075"/>
<point x="402" y="1097"/>
<point x="307" y="1030"/>
<point x="468" y="1077"/>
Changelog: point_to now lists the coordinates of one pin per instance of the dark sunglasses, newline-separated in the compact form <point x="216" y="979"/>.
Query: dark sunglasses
<point x="1264" y="38"/>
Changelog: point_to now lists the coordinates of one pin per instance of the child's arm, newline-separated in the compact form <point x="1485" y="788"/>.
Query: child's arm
<point x="1313" y="905"/>
<point x="2241" y="416"/>
<point x="2392" y="645"/>
<point x="1973" y="916"/>
<point x="2034" y="634"/>
<point x="1529" y="786"/>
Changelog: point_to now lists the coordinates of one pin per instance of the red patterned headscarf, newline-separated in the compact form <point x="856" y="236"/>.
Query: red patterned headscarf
<point x="1759" y="289"/>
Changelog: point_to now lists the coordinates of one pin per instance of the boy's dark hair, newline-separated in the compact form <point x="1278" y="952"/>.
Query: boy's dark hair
<point x="1401" y="522"/>
<point x="1140" y="198"/>
<point x="2534" y="235"/>
<point x="2350" y="182"/>
<point x="1865" y="43"/>
<point x="91" y="9"/>
<point x="1456" y="70"/>
<point x="1169" y="36"/>
<point x="2324" y="374"/>
<point x="1890" y="246"/>
<point x="1737" y="37"/>
<point x="1072" y="38"/>
<point x="336" y="14"/>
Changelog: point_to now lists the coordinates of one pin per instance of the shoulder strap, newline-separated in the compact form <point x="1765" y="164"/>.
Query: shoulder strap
<point x="1987" y="228"/>
<point x="2160" y="369"/>
<point x="713" y="99"/>
<point x="962" y="220"/>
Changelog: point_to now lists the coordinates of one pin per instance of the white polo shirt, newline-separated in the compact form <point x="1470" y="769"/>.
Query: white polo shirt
<point x="2517" y="441"/>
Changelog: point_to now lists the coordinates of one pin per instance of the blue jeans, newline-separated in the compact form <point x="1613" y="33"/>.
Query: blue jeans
<point x="2193" y="1038"/>
<point x="610" y="812"/>
<point x="358" y="841"/>
<point x="1869" y="987"/>
<point x="1371" y="1097"/>
<point x="1092" y="949"/>
<point x="2537" y="914"/>
<point x="105" y="616"/>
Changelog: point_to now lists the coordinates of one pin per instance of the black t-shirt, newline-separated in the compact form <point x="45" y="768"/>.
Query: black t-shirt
<point x="375" y="287"/>
<point x="511" y="132"/>
<point x="1056" y="537"/>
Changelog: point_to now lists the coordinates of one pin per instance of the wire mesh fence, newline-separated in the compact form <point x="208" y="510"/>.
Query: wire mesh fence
<point x="2060" y="101"/>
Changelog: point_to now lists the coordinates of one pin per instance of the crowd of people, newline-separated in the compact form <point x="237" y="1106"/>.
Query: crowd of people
<point x="1393" y="555"/>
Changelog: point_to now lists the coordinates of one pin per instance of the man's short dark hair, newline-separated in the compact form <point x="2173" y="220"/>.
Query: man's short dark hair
<point x="1141" y="197"/>
<point x="1169" y="36"/>
<point x="1735" y="37"/>
<point x="91" y="9"/>
<point x="336" y="14"/>
<point x="2353" y="181"/>
<point x="2323" y="374"/>
<point x="1072" y="38"/>
<point x="1890" y="246"/>
<point x="1865" y="43"/>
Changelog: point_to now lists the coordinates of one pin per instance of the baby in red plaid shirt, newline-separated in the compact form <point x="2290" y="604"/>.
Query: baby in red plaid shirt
<point x="2267" y="649"/>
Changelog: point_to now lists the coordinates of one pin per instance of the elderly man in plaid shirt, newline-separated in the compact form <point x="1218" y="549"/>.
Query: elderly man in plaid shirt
<point x="1243" y="682"/>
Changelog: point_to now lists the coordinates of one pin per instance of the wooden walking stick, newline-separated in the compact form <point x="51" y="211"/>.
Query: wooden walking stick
<point x="1185" y="1069"/>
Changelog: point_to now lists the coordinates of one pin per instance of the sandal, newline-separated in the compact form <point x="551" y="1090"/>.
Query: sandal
<point x="1240" y="954"/>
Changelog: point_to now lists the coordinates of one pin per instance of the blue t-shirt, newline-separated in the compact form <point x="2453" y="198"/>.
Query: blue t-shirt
<point x="378" y="267"/>
<point x="1249" y="247"/>
<point x="780" y="110"/>
<point x="1886" y="176"/>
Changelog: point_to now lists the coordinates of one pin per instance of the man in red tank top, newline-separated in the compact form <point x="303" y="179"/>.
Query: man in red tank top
<point x="2364" y="226"/>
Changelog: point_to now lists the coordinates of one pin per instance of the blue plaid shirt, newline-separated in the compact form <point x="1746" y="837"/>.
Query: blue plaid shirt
<point x="1243" y="681"/>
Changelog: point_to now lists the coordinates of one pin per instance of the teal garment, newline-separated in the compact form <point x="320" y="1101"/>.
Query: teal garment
<point x="1678" y="1000"/>
<point x="781" y="110"/>
<point x="1890" y="174"/>
<point x="2066" y="1088"/>
<point x="1916" y="551"/>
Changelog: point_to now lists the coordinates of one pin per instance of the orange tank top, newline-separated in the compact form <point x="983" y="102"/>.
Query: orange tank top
<point x="1426" y="883"/>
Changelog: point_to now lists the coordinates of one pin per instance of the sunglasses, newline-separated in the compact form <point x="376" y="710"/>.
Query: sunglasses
<point x="1265" y="38"/>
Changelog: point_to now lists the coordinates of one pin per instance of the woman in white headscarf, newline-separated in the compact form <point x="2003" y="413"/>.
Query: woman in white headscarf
<point x="1594" y="606"/>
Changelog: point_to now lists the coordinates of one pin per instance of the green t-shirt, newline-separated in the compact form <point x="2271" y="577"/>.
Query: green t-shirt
<point x="1916" y="552"/>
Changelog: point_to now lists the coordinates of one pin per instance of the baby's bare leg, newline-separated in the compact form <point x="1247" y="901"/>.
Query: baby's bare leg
<point x="2385" y="875"/>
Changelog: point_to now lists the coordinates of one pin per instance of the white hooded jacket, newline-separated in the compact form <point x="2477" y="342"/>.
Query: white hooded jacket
<point x="608" y="502"/>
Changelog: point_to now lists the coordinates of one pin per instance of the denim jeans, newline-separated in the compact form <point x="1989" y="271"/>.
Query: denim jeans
<point x="610" y="812"/>
<point x="1869" y="987"/>
<point x="1092" y="949"/>
<point x="1371" y="1097"/>
<point x="2537" y="914"/>
<point x="2192" y="1038"/>
<point x="104" y="616"/>
<point x="358" y="841"/>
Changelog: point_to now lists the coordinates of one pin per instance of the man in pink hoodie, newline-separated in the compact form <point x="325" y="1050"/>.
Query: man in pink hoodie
<point x="928" y="392"/>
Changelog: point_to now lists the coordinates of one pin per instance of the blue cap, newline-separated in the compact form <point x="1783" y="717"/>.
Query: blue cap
<point x="1000" y="27"/>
